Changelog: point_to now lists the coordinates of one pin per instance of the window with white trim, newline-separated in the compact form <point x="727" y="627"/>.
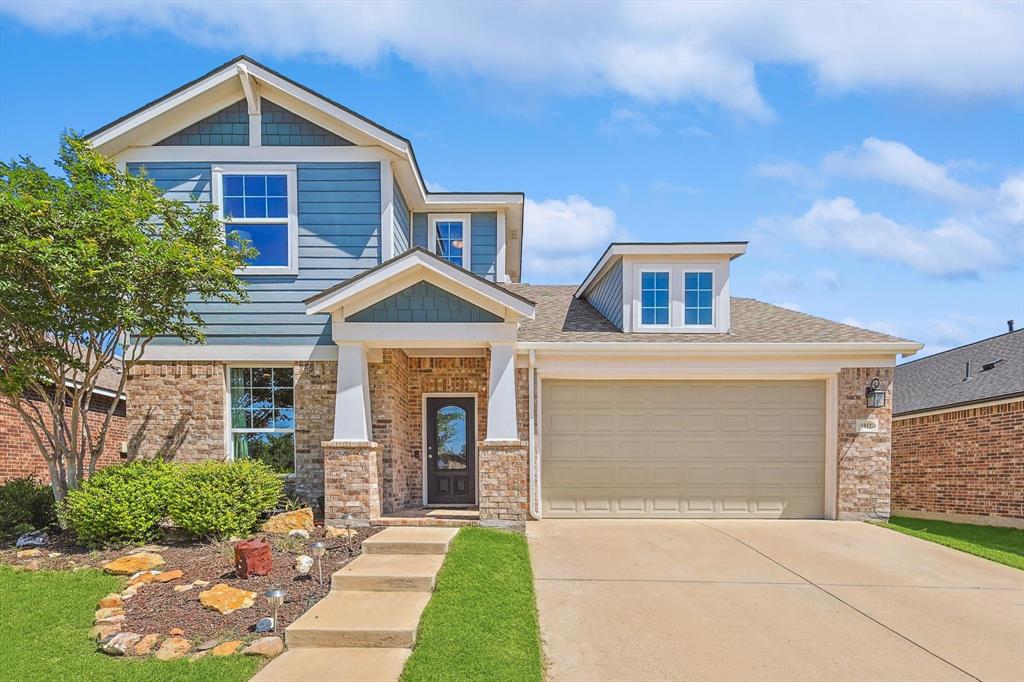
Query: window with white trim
<point x="263" y="415"/>
<point x="654" y="298"/>
<point x="449" y="238"/>
<point x="258" y="205"/>
<point x="698" y="298"/>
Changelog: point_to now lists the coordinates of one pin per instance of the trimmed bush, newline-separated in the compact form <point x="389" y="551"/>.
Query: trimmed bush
<point x="25" y="505"/>
<point x="120" y="504"/>
<point x="223" y="498"/>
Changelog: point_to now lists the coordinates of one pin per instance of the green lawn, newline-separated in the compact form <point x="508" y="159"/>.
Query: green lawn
<point x="45" y="619"/>
<point x="481" y="623"/>
<point x="1005" y="545"/>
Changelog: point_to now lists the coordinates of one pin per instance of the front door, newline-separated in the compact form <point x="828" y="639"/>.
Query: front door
<point x="451" y="451"/>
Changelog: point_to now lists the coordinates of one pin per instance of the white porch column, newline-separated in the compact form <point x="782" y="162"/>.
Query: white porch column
<point x="352" y="401"/>
<point x="501" y="394"/>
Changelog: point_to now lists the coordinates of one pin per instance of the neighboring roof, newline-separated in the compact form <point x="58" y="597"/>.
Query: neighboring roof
<point x="937" y="381"/>
<point x="417" y="256"/>
<point x="561" y="317"/>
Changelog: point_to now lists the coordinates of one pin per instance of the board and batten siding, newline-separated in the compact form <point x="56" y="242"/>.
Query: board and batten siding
<point x="339" y="237"/>
<point x="483" y="244"/>
<point x="401" y="221"/>
<point x="606" y="295"/>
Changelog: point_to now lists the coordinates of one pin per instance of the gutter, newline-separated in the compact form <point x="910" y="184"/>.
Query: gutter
<point x="904" y="348"/>
<point x="534" y="471"/>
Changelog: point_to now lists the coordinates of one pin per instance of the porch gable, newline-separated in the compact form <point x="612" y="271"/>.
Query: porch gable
<point x="423" y="302"/>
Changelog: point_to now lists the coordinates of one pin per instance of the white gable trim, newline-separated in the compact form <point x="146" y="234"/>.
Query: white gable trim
<point x="616" y="251"/>
<point x="386" y="277"/>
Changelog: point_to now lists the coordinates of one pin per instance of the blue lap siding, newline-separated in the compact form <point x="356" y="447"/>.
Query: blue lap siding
<point x="606" y="295"/>
<point x="401" y="221"/>
<point x="423" y="302"/>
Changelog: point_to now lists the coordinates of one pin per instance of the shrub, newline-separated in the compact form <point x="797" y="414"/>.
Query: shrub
<point x="120" y="504"/>
<point x="25" y="505"/>
<point x="223" y="498"/>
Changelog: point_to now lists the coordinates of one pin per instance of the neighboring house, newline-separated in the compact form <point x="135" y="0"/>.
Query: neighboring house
<point x="390" y="356"/>
<point x="19" y="454"/>
<point x="958" y="434"/>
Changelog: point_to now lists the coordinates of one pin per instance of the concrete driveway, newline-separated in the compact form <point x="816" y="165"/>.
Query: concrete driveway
<point x="769" y="600"/>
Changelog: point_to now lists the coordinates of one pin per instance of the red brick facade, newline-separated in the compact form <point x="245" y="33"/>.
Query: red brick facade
<point x="20" y="457"/>
<point x="967" y="462"/>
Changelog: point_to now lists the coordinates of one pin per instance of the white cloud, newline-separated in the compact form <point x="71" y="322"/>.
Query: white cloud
<point x="791" y="306"/>
<point x="696" y="131"/>
<point x="435" y="187"/>
<point x="830" y="279"/>
<point x="952" y="249"/>
<point x="629" y="120"/>
<point x="650" y="51"/>
<point x="790" y="171"/>
<point x="564" y="238"/>
<point x="782" y="281"/>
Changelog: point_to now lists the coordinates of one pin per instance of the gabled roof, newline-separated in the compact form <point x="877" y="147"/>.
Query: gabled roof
<point x="417" y="262"/>
<point x="938" y="381"/>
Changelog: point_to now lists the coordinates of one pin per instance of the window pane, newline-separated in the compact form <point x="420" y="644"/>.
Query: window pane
<point x="277" y="186"/>
<point x="647" y="280"/>
<point x="234" y="207"/>
<point x="690" y="299"/>
<point x="283" y="377"/>
<point x="271" y="242"/>
<point x="240" y="418"/>
<point x="705" y="316"/>
<point x="283" y="397"/>
<point x="451" y="437"/>
<point x="691" y="316"/>
<point x="455" y="230"/>
<point x="661" y="280"/>
<point x="704" y="299"/>
<point x="647" y="316"/>
<point x="240" y="398"/>
<point x="261" y="376"/>
<point x="661" y="299"/>
<point x="262" y="418"/>
<point x="274" y="449"/>
<point x="239" y="376"/>
<point x="647" y="298"/>
<point x="705" y="280"/>
<point x="233" y="185"/>
<point x="692" y="280"/>
<point x="255" y="208"/>
<point x="255" y="185"/>
<point x="442" y="230"/>
<point x="661" y="316"/>
<point x="284" y="418"/>
<point x="262" y="397"/>
<point x="277" y="208"/>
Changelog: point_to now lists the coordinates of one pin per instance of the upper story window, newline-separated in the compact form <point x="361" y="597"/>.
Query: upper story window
<point x="698" y="298"/>
<point x="259" y="204"/>
<point x="449" y="238"/>
<point x="654" y="298"/>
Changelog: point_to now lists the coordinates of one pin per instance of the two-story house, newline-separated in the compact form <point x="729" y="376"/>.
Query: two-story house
<point x="391" y="358"/>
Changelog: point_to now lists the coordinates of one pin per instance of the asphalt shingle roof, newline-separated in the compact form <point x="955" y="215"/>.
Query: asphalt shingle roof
<point x="562" y="317"/>
<point x="938" y="380"/>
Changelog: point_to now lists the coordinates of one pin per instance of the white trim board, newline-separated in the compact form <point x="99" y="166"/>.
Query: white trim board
<point x="239" y="353"/>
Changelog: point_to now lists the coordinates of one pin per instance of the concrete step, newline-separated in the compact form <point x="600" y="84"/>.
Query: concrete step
<point x="336" y="664"/>
<point x="410" y="541"/>
<point x="359" y="619"/>
<point x="389" y="573"/>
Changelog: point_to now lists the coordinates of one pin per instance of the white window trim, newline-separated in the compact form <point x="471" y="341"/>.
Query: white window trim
<point x="289" y="171"/>
<point x="229" y="431"/>
<point x="714" y="298"/>
<point x="467" y="230"/>
<point x="651" y="269"/>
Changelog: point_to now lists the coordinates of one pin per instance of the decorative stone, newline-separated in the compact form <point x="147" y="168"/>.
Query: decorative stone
<point x="172" y="648"/>
<point x="53" y="555"/>
<point x="183" y="588"/>
<point x="252" y="557"/>
<point x="110" y="620"/>
<point x="101" y="633"/>
<point x="335" y="532"/>
<point x="111" y="601"/>
<point x="197" y="655"/>
<point x="129" y="592"/>
<point x="134" y="563"/>
<point x="267" y="647"/>
<point x="33" y="565"/>
<point x="142" y="577"/>
<point x="109" y="611"/>
<point x="288" y="521"/>
<point x="37" y="538"/>
<point x="299" y="533"/>
<point x="226" y="599"/>
<point x="29" y="553"/>
<point x="226" y="648"/>
<point x="200" y="583"/>
<point x="169" y="576"/>
<point x="146" y="644"/>
<point x="176" y="632"/>
<point x="119" y="644"/>
<point x="207" y="645"/>
<point x="265" y="625"/>
<point x="303" y="563"/>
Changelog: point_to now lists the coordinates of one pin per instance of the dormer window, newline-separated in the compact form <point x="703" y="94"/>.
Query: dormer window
<point x="698" y="298"/>
<point x="654" y="298"/>
<point x="259" y="203"/>
<point x="449" y="238"/>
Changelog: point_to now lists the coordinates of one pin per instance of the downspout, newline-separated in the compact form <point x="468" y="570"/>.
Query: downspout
<point x="534" y="472"/>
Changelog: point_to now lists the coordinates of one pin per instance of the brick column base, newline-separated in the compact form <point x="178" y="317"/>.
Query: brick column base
<point x="504" y="482"/>
<point x="351" y="481"/>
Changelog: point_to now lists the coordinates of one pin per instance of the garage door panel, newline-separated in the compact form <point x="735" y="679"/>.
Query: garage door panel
<point x="668" y="449"/>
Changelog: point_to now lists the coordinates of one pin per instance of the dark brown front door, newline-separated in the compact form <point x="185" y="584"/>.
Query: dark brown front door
<point x="451" y="451"/>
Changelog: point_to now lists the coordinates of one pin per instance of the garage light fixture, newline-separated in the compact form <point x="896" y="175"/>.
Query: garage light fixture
<point x="875" y="395"/>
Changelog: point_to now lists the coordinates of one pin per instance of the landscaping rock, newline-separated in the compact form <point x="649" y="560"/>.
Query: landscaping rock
<point x="33" y="565"/>
<point x="111" y="601"/>
<point x="110" y="620"/>
<point x="176" y="632"/>
<point x="252" y="558"/>
<point x="303" y="563"/>
<point x="101" y="633"/>
<point x="119" y="644"/>
<point x="265" y="625"/>
<point x="207" y="645"/>
<point x="335" y="532"/>
<point x="169" y="576"/>
<point x="226" y="599"/>
<point x="107" y="612"/>
<point x="29" y="553"/>
<point x="37" y="538"/>
<point x="146" y="644"/>
<point x="200" y="583"/>
<point x="53" y="555"/>
<point x="197" y="655"/>
<point x="143" y="577"/>
<point x="288" y="521"/>
<point x="267" y="647"/>
<point x="183" y="588"/>
<point x="226" y="648"/>
<point x="134" y="563"/>
<point x="299" y="533"/>
<point x="172" y="648"/>
<point x="129" y="592"/>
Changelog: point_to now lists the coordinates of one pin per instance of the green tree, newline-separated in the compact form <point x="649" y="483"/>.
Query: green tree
<point x="94" y="263"/>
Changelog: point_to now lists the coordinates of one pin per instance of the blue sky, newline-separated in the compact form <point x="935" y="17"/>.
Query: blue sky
<point x="873" y="155"/>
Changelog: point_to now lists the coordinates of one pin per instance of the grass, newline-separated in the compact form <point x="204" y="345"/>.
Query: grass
<point x="45" y="619"/>
<point x="481" y="623"/>
<point x="1004" y="545"/>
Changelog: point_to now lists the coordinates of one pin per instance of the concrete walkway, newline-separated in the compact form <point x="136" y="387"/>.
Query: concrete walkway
<point x="365" y="628"/>
<point x="769" y="600"/>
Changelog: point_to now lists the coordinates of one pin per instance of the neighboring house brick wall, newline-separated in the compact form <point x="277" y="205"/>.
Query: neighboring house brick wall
<point x="20" y="457"/>
<point x="864" y="458"/>
<point x="967" y="462"/>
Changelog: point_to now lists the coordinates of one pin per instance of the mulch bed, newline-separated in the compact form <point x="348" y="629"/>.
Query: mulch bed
<point x="156" y="607"/>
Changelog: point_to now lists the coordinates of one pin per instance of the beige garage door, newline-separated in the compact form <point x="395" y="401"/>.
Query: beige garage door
<point x="677" y="449"/>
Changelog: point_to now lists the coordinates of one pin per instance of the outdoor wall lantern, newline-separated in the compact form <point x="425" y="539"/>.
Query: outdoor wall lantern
<point x="875" y="395"/>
